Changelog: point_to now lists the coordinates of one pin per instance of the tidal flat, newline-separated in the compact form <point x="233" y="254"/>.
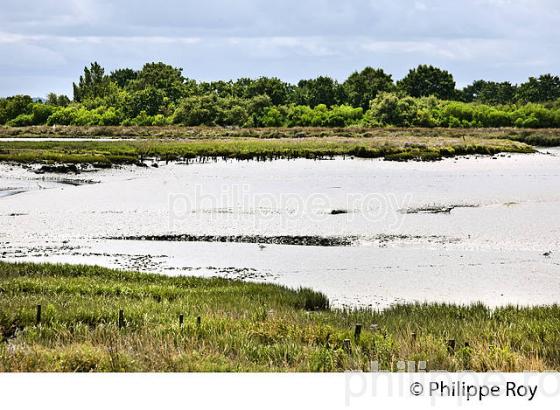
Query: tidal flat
<point x="273" y="221"/>
<point x="281" y="259"/>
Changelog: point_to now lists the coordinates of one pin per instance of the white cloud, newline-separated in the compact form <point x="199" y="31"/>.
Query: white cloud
<point x="292" y="39"/>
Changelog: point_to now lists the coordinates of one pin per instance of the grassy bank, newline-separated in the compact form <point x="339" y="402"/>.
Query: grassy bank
<point x="541" y="136"/>
<point x="261" y="144"/>
<point x="245" y="327"/>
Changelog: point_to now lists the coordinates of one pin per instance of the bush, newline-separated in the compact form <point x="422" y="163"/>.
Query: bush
<point x="198" y="110"/>
<point x="343" y="115"/>
<point x="161" y="120"/>
<point x="12" y="107"/>
<point x="273" y="118"/>
<point x="41" y="112"/>
<point x="110" y="117"/>
<point x="149" y="106"/>
<point x="22" y="120"/>
<point x="390" y="109"/>
<point x="84" y="116"/>
<point x="231" y="111"/>
<point x="63" y="116"/>
<point x="299" y="115"/>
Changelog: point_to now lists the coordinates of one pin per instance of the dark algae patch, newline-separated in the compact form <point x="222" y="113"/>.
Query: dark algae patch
<point x="301" y="240"/>
<point x="338" y="212"/>
<point x="436" y="209"/>
<point x="297" y="240"/>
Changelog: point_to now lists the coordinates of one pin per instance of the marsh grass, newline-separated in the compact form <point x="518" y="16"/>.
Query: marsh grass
<point x="202" y="132"/>
<point x="390" y="147"/>
<point x="245" y="327"/>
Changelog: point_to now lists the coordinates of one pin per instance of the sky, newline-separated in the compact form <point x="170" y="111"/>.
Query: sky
<point x="45" y="44"/>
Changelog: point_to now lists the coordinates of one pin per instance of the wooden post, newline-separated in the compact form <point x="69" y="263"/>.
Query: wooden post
<point x="357" y="332"/>
<point x="38" y="316"/>
<point x="347" y="346"/>
<point x="198" y="320"/>
<point x="121" y="319"/>
<point x="413" y="337"/>
<point x="451" y="345"/>
<point x="181" y="320"/>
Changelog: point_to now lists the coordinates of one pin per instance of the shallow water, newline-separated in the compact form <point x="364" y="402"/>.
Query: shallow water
<point x="459" y="230"/>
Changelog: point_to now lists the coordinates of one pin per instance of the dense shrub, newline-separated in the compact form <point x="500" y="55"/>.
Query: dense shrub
<point x="77" y="115"/>
<point x="273" y="117"/>
<point x="41" y="112"/>
<point x="198" y="110"/>
<point x="387" y="109"/>
<point x="63" y="116"/>
<point x="392" y="110"/>
<point x="12" y="107"/>
<point x="21" y="120"/>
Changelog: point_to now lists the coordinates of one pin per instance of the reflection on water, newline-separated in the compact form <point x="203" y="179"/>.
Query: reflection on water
<point x="460" y="230"/>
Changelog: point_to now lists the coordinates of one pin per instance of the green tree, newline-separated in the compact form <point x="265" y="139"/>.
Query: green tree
<point x="240" y="87"/>
<point x="12" y="107"/>
<point x="220" y="88"/>
<point x="276" y="89"/>
<point x="197" y="110"/>
<point x="92" y="84"/>
<point x="321" y="90"/>
<point x="123" y="76"/>
<point x="257" y="108"/>
<point x="426" y="80"/>
<point x="489" y="92"/>
<point x="542" y="89"/>
<point x="150" y="100"/>
<point x="57" y="100"/>
<point x="362" y="87"/>
<point x="162" y="77"/>
<point x="231" y="111"/>
<point x="41" y="112"/>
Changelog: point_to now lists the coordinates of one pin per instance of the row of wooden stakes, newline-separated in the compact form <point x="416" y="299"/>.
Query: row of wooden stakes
<point x="346" y="343"/>
<point x="121" y="320"/>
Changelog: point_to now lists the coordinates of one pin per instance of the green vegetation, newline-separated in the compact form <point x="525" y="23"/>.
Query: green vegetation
<point x="246" y="327"/>
<point x="256" y="144"/>
<point x="428" y="81"/>
<point x="181" y="132"/>
<point x="159" y="95"/>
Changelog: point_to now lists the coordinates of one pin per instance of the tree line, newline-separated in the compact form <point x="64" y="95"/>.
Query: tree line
<point x="159" y="94"/>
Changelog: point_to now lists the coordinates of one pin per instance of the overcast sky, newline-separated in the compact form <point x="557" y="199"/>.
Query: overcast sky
<point x="44" y="44"/>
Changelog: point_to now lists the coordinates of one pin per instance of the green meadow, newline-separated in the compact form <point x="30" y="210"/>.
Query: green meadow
<point x="102" y="320"/>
